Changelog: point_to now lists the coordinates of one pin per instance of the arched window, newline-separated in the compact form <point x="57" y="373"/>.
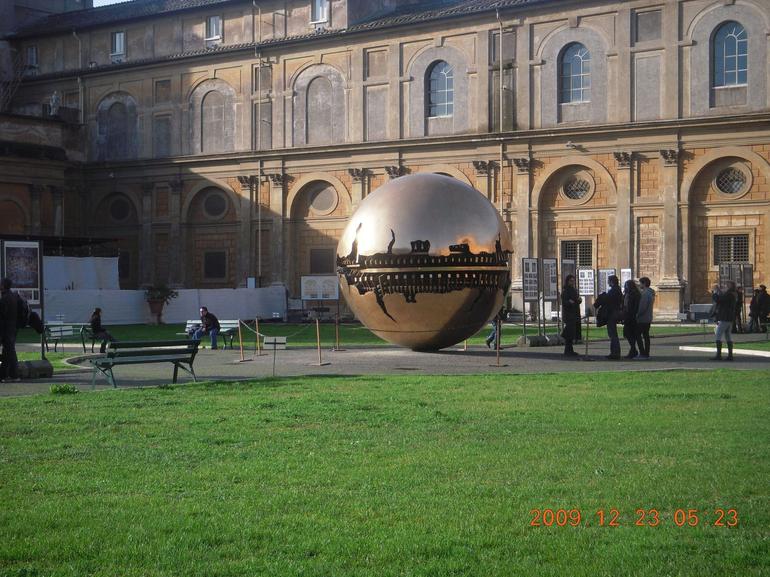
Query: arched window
<point x="117" y="131"/>
<point x="441" y="90"/>
<point x="320" y="107"/>
<point x="575" y="74"/>
<point x="730" y="55"/>
<point x="213" y="122"/>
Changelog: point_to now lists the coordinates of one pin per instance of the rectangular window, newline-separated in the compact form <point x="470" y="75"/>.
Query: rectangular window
<point x="581" y="251"/>
<point x="124" y="265"/>
<point x="320" y="11"/>
<point x="213" y="28"/>
<point x="31" y="58"/>
<point x="215" y="265"/>
<point x="731" y="248"/>
<point x="118" y="46"/>
<point x="321" y="261"/>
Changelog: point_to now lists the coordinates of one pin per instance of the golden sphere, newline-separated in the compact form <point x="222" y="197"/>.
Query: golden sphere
<point x="423" y="262"/>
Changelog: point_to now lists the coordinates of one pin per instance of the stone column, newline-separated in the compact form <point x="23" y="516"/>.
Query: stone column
<point x="177" y="236"/>
<point x="671" y="285"/>
<point x="483" y="175"/>
<point x="246" y="246"/>
<point x="622" y="245"/>
<point x="279" y="266"/>
<point x="522" y="233"/>
<point x="360" y="181"/>
<point x="34" y="192"/>
<point x="146" y="256"/>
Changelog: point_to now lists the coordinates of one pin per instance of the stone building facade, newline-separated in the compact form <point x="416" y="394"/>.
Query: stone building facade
<point x="221" y="140"/>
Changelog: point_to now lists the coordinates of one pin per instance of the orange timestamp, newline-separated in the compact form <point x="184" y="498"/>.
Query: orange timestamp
<point x="717" y="517"/>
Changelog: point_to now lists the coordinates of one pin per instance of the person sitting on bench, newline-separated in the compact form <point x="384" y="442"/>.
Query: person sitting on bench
<point x="99" y="331"/>
<point x="209" y="326"/>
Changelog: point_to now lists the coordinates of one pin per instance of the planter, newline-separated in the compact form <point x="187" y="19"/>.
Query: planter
<point x="156" y="308"/>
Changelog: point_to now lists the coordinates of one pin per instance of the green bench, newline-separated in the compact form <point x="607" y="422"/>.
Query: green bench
<point x="180" y="353"/>
<point x="59" y="331"/>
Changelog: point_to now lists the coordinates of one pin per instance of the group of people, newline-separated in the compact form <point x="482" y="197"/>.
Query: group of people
<point x="727" y="312"/>
<point x="632" y="307"/>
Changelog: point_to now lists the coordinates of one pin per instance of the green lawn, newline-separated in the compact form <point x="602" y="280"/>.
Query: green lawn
<point x="380" y="476"/>
<point x="303" y="335"/>
<point x="57" y="360"/>
<point x="757" y="345"/>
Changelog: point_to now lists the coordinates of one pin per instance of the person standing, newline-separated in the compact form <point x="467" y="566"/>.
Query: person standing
<point x="209" y="326"/>
<point x="570" y="306"/>
<point x="763" y="302"/>
<point x="739" y="305"/>
<point x="754" y="312"/>
<point x="644" y="318"/>
<point x="725" y="302"/>
<point x="99" y="331"/>
<point x="9" y="314"/>
<point x="631" y="297"/>
<point x="614" y="304"/>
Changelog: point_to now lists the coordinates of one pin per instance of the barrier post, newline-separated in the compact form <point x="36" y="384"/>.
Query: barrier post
<point x="240" y="339"/>
<point x="318" y="341"/>
<point x="259" y="348"/>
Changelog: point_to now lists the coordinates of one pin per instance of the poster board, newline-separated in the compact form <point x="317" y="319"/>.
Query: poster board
<point x="568" y="267"/>
<point x="748" y="278"/>
<point x="626" y="274"/>
<point x="21" y="263"/>
<point x="550" y="280"/>
<point x="531" y="279"/>
<point x="320" y="288"/>
<point x="604" y="274"/>
<point x="586" y="282"/>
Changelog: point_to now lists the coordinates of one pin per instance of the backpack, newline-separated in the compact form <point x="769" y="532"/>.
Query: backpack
<point x="22" y="312"/>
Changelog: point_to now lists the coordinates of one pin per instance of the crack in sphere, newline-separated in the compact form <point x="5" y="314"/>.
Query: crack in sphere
<point x="423" y="262"/>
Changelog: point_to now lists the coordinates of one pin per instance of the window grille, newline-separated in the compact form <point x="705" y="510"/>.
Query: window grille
<point x="321" y="261"/>
<point x="730" y="55"/>
<point x="215" y="265"/>
<point x="575" y="74"/>
<point x="581" y="251"/>
<point x="731" y="181"/>
<point x="731" y="248"/>
<point x="576" y="188"/>
<point x="441" y="90"/>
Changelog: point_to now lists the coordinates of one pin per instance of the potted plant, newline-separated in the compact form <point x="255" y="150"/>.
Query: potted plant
<point x="157" y="296"/>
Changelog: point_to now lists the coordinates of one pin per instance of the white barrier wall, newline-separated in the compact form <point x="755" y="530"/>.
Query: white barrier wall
<point x="125" y="307"/>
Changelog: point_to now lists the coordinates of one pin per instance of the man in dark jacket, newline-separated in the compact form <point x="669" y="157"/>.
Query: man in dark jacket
<point x="763" y="303"/>
<point x="612" y="303"/>
<point x="209" y="326"/>
<point x="570" y="306"/>
<point x="725" y="302"/>
<point x="9" y="313"/>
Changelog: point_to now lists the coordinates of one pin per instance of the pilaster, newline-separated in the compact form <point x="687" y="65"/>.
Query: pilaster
<point x="360" y="182"/>
<point x="34" y="192"/>
<point x="622" y="245"/>
<point x="177" y="236"/>
<point x="279" y="266"/>
<point x="245" y="257"/>
<point x="522" y="232"/>
<point x="483" y="175"/>
<point x="146" y="260"/>
<point x="671" y="285"/>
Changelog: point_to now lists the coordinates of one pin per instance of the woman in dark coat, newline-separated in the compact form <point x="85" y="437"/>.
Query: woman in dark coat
<point x="631" y="296"/>
<point x="99" y="331"/>
<point x="570" y="306"/>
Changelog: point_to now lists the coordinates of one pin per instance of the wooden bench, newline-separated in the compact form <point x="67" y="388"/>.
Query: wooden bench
<point x="181" y="353"/>
<point x="227" y="330"/>
<point x="58" y="331"/>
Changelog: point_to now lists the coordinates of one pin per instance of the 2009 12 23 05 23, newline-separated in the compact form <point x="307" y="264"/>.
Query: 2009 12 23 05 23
<point x="612" y="517"/>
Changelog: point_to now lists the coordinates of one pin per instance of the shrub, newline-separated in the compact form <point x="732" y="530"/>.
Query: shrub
<point x="64" y="389"/>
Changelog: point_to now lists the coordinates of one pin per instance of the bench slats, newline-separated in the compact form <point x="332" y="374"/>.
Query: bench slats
<point x="181" y="353"/>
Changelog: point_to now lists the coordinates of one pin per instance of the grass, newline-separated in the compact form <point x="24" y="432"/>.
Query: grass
<point x="304" y="335"/>
<point x="379" y="476"/>
<point x="57" y="360"/>
<point x="756" y="345"/>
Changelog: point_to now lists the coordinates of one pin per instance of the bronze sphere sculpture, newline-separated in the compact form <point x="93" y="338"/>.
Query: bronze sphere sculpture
<point x="423" y="262"/>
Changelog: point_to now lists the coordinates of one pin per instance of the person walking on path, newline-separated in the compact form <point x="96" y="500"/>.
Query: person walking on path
<point x="631" y="297"/>
<point x="725" y="302"/>
<point x="570" y="306"/>
<point x="492" y="336"/>
<point x="644" y="318"/>
<point x="9" y="314"/>
<point x="99" y="331"/>
<point x="209" y="326"/>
